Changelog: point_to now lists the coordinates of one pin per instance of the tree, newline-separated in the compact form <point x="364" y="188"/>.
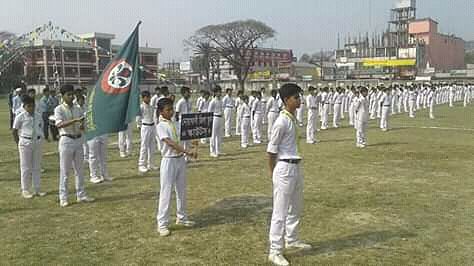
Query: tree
<point x="236" y="42"/>
<point x="206" y="56"/>
<point x="469" y="58"/>
<point x="305" y="58"/>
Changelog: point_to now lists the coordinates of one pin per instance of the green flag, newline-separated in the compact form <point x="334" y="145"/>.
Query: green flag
<point x="115" y="99"/>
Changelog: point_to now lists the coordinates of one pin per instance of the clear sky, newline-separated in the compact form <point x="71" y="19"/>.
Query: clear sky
<point x="302" y="25"/>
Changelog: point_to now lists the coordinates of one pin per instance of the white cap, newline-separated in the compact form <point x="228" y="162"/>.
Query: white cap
<point x="18" y="89"/>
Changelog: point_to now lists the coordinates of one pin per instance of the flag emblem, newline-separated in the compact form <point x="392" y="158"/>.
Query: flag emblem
<point x="117" y="77"/>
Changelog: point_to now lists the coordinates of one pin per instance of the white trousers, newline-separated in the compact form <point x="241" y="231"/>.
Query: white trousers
<point x="411" y="108"/>
<point x="325" y="116"/>
<point x="432" y="110"/>
<point x="384" y="117"/>
<point x="311" y="126"/>
<point x="147" y="146"/>
<point x="30" y="163"/>
<point x="451" y="100"/>
<point x="287" y="205"/>
<point x="71" y="156"/>
<point x="336" y="119"/>
<point x="125" y="140"/>
<point x="271" y="118"/>
<point x="98" y="157"/>
<point x="257" y="127"/>
<point x="172" y="175"/>
<point x="361" y="132"/>
<point x="228" y="112"/>
<point x="351" y="114"/>
<point x="237" y="121"/>
<point x="300" y="114"/>
<point x="215" y="141"/>
<point x="245" y="132"/>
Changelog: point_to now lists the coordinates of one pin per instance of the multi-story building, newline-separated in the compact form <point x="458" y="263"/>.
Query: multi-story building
<point x="55" y="62"/>
<point x="408" y="48"/>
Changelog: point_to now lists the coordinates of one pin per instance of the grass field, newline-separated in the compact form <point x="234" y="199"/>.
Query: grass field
<point x="407" y="199"/>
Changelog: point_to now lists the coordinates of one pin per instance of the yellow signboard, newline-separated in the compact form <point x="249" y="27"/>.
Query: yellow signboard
<point x="260" y="75"/>
<point x="388" y="63"/>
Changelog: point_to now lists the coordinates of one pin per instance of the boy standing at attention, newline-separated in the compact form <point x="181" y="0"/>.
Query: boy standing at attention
<point x="147" y="135"/>
<point x="172" y="169"/>
<point x="70" y="122"/>
<point x="284" y="162"/>
<point x="28" y="134"/>
<point x="361" y="108"/>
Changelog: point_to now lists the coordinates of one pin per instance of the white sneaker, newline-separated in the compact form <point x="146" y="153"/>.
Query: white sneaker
<point x="154" y="168"/>
<point x="298" y="244"/>
<point x="278" y="259"/>
<point x="164" y="231"/>
<point x="142" y="169"/>
<point x="107" y="178"/>
<point x="63" y="203"/>
<point x="186" y="223"/>
<point x="214" y="155"/>
<point x="40" y="194"/>
<point x="85" y="199"/>
<point x="95" y="180"/>
<point x="27" y="195"/>
<point x="123" y="155"/>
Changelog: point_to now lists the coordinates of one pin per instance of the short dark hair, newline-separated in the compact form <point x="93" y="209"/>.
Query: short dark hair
<point x="162" y="103"/>
<point x="66" y="88"/>
<point x="28" y="100"/>
<point x="288" y="90"/>
<point x="185" y="89"/>
<point x="245" y="98"/>
<point x="217" y="88"/>
<point x="46" y="89"/>
<point x="228" y="89"/>
<point x="145" y="94"/>
<point x="164" y="90"/>
<point x="31" y="90"/>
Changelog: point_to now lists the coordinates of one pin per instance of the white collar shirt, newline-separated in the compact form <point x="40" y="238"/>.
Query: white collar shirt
<point x="283" y="137"/>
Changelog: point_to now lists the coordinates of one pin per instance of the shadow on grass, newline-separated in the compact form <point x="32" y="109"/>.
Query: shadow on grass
<point x="387" y="144"/>
<point x="234" y="210"/>
<point x="337" y="140"/>
<point x="146" y="195"/>
<point x="7" y="211"/>
<point x="361" y="240"/>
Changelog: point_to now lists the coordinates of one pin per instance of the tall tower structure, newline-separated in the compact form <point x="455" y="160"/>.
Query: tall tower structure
<point x="400" y="16"/>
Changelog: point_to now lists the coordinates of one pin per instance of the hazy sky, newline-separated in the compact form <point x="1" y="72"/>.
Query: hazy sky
<point x="302" y="25"/>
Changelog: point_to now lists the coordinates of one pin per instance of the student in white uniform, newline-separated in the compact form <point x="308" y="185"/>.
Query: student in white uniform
<point x="385" y="105"/>
<point x="312" y="103"/>
<point x="238" y="103"/>
<point x="431" y="101"/>
<point x="202" y="107"/>
<point x="272" y="110"/>
<point x="300" y="111"/>
<point x="172" y="170"/>
<point x="284" y="161"/>
<point x="258" y="110"/>
<point x="264" y="100"/>
<point x="325" y="109"/>
<point x="28" y="135"/>
<point x="228" y="103"/>
<point x="69" y="119"/>
<point x="125" y="141"/>
<point x="361" y="108"/>
<point x="411" y="102"/>
<point x="245" y="122"/>
<point x="337" y="108"/>
<point x="183" y="106"/>
<point x="147" y="135"/>
<point x="98" y="159"/>
<point x="352" y="96"/>
<point x="215" y="107"/>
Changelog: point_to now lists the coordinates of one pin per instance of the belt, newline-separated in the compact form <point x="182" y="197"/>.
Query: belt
<point x="292" y="161"/>
<point x="72" y="136"/>
<point x="326" y="103"/>
<point x="313" y="108"/>
<point x="218" y="115"/>
<point x="386" y="106"/>
<point x="229" y="107"/>
<point x="273" y="111"/>
<point x="30" y="138"/>
<point x="337" y="103"/>
<point x="247" y="116"/>
<point x="148" y="124"/>
<point x="174" y="157"/>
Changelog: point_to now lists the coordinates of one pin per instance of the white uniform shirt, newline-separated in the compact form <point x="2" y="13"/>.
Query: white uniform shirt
<point x="228" y="102"/>
<point x="272" y="105"/>
<point x="203" y="105"/>
<point x="283" y="136"/>
<point x="312" y="102"/>
<point x="245" y="113"/>
<point x="17" y="105"/>
<point x="412" y="95"/>
<point x="29" y="126"/>
<point x="361" y="107"/>
<point x="146" y="114"/>
<point x="183" y="106"/>
<point x="215" y="106"/>
<point x="385" y="100"/>
<point x="166" y="129"/>
<point x="257" y="107"/>
<point x="63" y="113"/>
